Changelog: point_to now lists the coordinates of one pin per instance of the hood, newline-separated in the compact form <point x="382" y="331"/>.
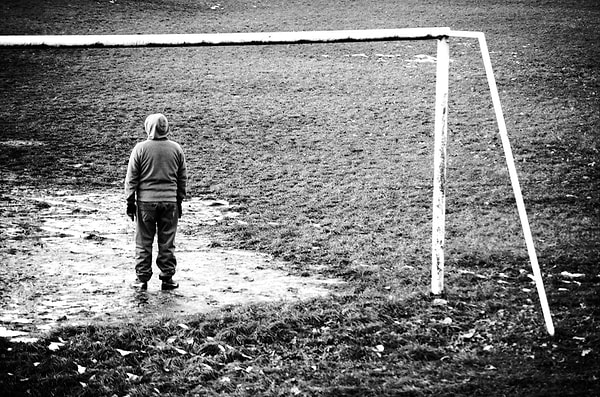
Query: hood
<point x="157" y="126"/>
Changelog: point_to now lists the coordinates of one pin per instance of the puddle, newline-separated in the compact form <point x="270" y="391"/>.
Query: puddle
<point x="77" y="266"/>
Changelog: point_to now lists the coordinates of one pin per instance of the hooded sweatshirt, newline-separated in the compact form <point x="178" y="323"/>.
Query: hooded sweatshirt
<point x="157" y="169"/>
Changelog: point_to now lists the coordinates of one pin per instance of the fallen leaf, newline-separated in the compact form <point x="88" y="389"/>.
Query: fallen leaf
<point x="469" y="334"/>
<point x="180" y="351"/>
<point x="171" y="339"/>
<point x="54" y="346"/>
<point x="133" y="377"/>
<point x="572" y="275"/>
<point x="439" y="302"/>
<point x="183" y="326"/>
<point x="585" y="352"/>
<point x="81" y="370"/>
<point x="123" y="352"/>
<point x="446" y="321"/>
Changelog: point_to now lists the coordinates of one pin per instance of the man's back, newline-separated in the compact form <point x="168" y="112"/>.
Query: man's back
<point x="159" y="168"/>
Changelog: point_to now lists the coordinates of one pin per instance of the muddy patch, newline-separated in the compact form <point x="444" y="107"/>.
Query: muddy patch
<point x="70" y="260"/>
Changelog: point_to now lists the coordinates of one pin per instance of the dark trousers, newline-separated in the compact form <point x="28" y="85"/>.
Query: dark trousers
<point x="153" y="219"/>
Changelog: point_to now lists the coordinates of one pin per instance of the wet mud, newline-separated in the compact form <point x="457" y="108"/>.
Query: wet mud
<point x="68" y="259"/>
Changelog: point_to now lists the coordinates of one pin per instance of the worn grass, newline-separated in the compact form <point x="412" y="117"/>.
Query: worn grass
<point x="327" y="155"/>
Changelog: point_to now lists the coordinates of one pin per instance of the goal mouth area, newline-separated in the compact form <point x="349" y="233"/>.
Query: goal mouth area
<point x="441" y="34"/>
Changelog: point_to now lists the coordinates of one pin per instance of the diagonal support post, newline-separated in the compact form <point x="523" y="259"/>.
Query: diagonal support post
<point x="514" y="179"/>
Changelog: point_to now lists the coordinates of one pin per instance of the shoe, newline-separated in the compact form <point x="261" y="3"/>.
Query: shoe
<point x="139" y="284"/>
<point x="169" y="285"/>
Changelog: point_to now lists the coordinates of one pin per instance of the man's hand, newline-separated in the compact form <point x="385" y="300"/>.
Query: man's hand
<point x="131" y="210"/>
<point x="179" y="210"/>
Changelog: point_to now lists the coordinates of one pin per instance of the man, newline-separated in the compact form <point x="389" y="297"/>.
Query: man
<point x="155" y="186"/>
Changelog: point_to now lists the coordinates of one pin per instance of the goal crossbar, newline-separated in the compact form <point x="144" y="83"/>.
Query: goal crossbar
<point x="223" y="39"/>
<point x="441" y="34"/>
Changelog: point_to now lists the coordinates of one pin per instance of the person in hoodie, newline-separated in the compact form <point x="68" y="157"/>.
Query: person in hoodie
<point x="155" y="186"/>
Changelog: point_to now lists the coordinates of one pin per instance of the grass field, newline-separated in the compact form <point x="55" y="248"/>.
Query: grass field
<point x="326" y="151"/>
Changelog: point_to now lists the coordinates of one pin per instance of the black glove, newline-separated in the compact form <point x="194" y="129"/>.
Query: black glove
<point x="131" y="210"/>
<point x="179" y="208"/>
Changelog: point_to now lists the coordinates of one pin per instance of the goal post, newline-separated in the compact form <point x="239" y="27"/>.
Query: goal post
<point x="441" y="34"/>
<point x="440" y="143"/>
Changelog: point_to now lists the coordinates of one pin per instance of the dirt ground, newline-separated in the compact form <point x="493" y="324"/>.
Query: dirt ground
<point x="76" y="257"/>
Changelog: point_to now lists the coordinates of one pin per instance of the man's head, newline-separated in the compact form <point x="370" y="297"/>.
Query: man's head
<point x="156" y="126"/>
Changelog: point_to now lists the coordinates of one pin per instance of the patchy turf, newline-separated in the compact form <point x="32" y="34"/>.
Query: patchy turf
<point x="325" y="151"/>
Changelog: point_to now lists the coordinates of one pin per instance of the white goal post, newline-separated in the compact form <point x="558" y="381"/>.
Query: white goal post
<point x="441" y="34"/>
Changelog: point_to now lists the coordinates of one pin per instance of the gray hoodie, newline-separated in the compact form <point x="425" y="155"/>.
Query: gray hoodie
<point x="157" y="169"/>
